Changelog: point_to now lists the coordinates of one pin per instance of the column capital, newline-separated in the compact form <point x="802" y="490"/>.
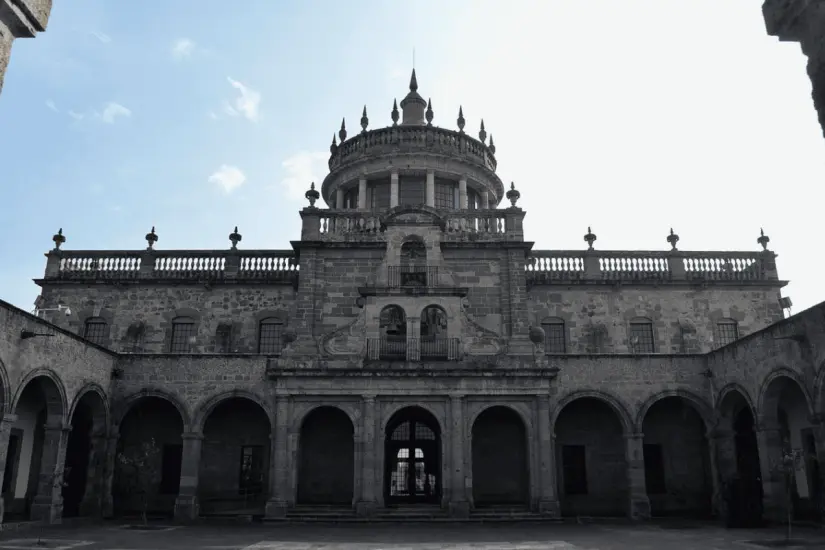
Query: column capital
<point x="61" y="426"/>
<point x="457" y="396"/>
<point x="720" y="433"/>
<point x="634" y="436"/>
<point x="190" y="436"/>
<point x="369" y="398"/>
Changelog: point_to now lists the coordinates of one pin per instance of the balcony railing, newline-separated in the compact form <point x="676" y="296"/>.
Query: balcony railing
<point x="414" y="349"/>
<point x="564" y="266"/>
<point x="412" y="276"/>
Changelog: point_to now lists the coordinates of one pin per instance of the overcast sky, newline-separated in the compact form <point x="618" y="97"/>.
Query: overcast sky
<point x="630" y="116"/>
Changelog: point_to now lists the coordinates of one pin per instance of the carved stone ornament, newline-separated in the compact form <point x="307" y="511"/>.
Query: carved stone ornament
<point x="348" y="339"/>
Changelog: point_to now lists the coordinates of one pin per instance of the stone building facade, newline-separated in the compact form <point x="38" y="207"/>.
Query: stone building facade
<point x="20" y="19"/>
<point x="410" y="354"/>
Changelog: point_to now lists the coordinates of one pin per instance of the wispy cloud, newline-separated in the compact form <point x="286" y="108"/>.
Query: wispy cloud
<point x="77" y="116"/>
<point x="228" y="177"/>
<point x="301" y="169"/>
<point x="50" y="104"/>
<point x="112" y="111"/>
<point x="246" y="104"/>
<point x="183" y="48"/>
<point x="103" y="37"/>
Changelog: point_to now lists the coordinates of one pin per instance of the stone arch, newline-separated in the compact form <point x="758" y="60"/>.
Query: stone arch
<point x="103" y="415"/>
<point x="413" y="469"/>
<point x="5" y="390"/>
<point x="55" y="394"/>
<point x="500" y="456"/>
<point x="393" y="413"/>
<point x="85" y="452"/>
<point x="731" y="389"/>
<point x="206" y="406"/>
<point x="768" y="389"/>
<point x="326" y="457"/>
<point x="700" y="406"/>
<point x="128" y="402"/>
<point x="613" y="402"/>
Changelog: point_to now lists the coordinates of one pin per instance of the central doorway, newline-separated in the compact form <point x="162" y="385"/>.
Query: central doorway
<point x="412" y="457"/>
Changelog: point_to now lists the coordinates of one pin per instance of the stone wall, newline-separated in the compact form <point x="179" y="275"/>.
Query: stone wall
<point x="21" y="19"/>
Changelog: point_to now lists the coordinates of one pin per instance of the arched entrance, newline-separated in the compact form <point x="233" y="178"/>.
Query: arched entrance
<point x="326" y="461"/>
<point x="150" y="441"/>
<point x="500" y="464"/>
<point x="85" y="453"/>
<point x="33" y="450"/>
<point x="738" y="462"/>
<point x="412" y="458"/>
<point x="676" y="459"/>
<point x="590" y="459"/>
<point x="234" y="467"/>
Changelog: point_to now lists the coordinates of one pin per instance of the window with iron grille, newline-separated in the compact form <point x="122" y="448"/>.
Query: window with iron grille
<point x="727" y="331"/>
<point x="223" y="339"/>
<point x="269" y="336"/>
<point x="96" y="330"/>
<point x="554" y="336"/>
<point x="183" y="333"/>
<point x="444" y="195"/>
<point x="641" y="336"/>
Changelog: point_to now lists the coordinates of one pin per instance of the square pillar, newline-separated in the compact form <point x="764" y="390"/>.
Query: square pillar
<point x="459" y="504"/>
<point x="48" y="501"/>
<point x="548" y="501"/>
<point x="462" y="193"/>
<point x="6" y="424"/>
<point x="186" y="505"/>
<point x="819" y="457"/>
<point x="769" y="441"/>
<point x="430" y="188"/>
<point x="638" y="504"/>
<point x="279" y="476"/>
<point x="394" y="189"/>
<point x="339" y="199"/>
<point x="722" y="444"/>
<point x="107" y="503"/>
<point x="368" y="502"/>
<point x="92" y="503"/>
<point x="362" y="194"/>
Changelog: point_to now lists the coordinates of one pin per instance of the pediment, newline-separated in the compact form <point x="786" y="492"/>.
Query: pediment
<point x="412" y="215"/>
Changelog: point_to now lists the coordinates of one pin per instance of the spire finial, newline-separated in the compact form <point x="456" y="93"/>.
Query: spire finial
<point x="334" y="146"/>
<point x="58" y="239"/>
<point x="429" y="112"/>
<point x="235" y="238"/>
<point x="763" y="239"/>
<point x="394" y="113"/>
<point x="461" y="120"/>
<point x="364" y="120"/>
<point x="151" y="238"/>
<point x="672" y="239"/>
<point x="413" y="82"/>
<point x="589" y="238"/>
<point x="342" y="133"/>
<point x="482" y="134"/>
<point x="492" y="145"/>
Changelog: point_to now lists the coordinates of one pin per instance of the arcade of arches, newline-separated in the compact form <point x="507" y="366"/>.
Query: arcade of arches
<point x="593" y="458"/>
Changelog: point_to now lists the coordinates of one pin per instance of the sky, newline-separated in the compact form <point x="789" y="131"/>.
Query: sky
<point x="629" y="116"/>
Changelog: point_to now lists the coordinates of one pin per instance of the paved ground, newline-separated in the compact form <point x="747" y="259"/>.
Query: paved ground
<point x="405" y="537"/>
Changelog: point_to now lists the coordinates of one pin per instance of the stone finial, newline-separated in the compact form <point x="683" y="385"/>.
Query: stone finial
<point x="334" y="147"/>
<point x="589" y="238"/>
<point x="235" y="238"/>
<point x="482" y="134"/>
<point x="492" y="145"/>
<point x="342" y="133"/>
<point x="414" y="82"/>
<point x="364" y="120"/>
<point x="151" y="238"/>
<point x="312" y="195"/>
<point x="513" y="195"/>
<point x="394" y="115"/>
<point x="58" y="239"/>
<point x="429" y="113"/>
<point x="763" y="239"/>
<point x="673" y="238"/>
<point x="461" y="122"/>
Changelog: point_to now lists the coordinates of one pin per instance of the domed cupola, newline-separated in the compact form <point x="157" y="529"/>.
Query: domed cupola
<point x="413" y="107"/>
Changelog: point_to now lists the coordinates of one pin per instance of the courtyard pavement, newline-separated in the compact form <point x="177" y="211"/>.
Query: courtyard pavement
<point x="404" y="537"/>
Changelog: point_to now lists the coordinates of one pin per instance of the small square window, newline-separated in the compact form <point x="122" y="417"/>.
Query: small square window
<point x="641" y="337"/>
<point x="554" y="337"/>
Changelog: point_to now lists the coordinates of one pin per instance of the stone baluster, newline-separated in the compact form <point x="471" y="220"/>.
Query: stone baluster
<point x="459" y="503"/>
<point x="369" y="478"/>
<point x="548" y="501"/>
<point x="639" y="504"/>
<point x="48" y="502"/>
<point x="186" y="505"/>
<point x="6" y="424"/>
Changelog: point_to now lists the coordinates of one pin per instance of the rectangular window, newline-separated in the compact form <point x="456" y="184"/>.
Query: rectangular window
<point x="727" y="332"/>
<point x="95" y="331"/>
<point x="641" y="337"/>
<point x="654" y="469"/>
<point x="379" y="195"/>
<point x="444" y="195"/>
<point x="182" y="335"/>
<point x="269" y="339"/>
<point x="170" y="469"/>
<point x="412" y="191"/>
<point x="574" y="469"/>
<point x="223" y="339"/>
<point x="251" y="477"/>
<point x="554" y="337"/>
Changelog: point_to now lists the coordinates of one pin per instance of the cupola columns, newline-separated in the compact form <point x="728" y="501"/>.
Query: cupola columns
<point x="362" y="193"/>
<point x="339" y="198"/>
<point x="394" y="189"/>
<point x="462" y="193"/>
<point x="431" y="188"/>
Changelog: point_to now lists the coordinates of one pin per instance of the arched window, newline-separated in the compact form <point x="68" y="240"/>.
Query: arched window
<point x="393" y="330"/>
<point x="555" y="337"/>
<point x="183" y="335"/>
<point x="434" y="342"/>
<point x="269" y="336"/>
<point x="96" y="330"/>
<point x="727" y="331"/>
<point x="641" y="335"/>
<point x="413" y="270"/>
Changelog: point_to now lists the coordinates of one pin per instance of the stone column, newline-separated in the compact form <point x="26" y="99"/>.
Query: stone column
<point x="459" y="504"/>
<point x="362" y="194"/>
<point x="769" y="441"/>
<point x="638" y="504"/>
<point x="107" y="503"/>
<point x="431" y="188"/>
<point x="717" y="505"/>
<point x="6" y="424"/>
<point x="339" y="198"/>
<point x="276" y="506"/>
<point x="186" y="505"/>
<point x="462" y="193"/>
<point x="819" y="441"/>
<point x="485" y="200"/>
<point x="367" y="504"/>
<point x="413" y="339"/>
<point x="722" y="446"/>
<point x="91" y="505"/>
<point x="548" y="501"/>
<point x="394" y="189"/>
<point x="48" y="502"/>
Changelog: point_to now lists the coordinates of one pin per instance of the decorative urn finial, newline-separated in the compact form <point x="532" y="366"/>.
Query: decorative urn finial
<point x="673" y="238"/>
<point x="364" y="120"/>
<point x="482" y="134"/>
<point x="492" y="146"/>
<point x="312" y="195"/>
<point x="235" y="238"/>
<point x="58" y="239"/>
<point x="334" y="147"/>
<point x="429" y="113"/>
<point x="513" y="195"/>
<point x="342" y="133"/>
<point x="763" y="239"/>
<point x="589" y="238"/>
<point x="151" y="238"/>
<point x="394" y="115"/>
<point x="461" y="120"/>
